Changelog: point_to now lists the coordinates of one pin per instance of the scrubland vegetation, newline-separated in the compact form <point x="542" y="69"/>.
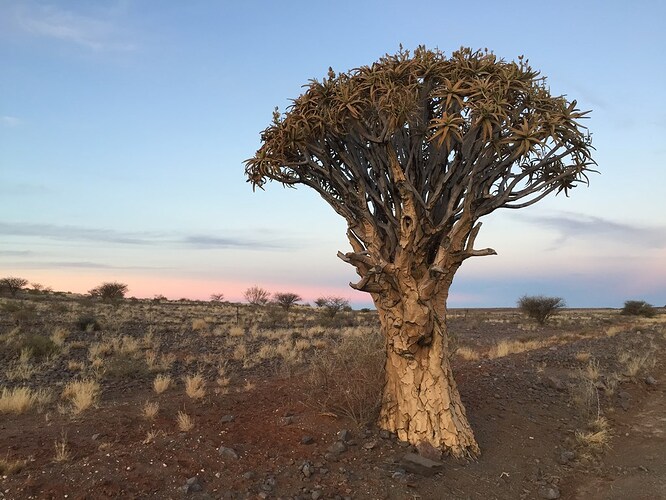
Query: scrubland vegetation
<point x="70" y="362"/>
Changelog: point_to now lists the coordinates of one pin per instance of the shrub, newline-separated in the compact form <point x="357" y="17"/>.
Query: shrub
<point x="638" y="308"/>
<point x="39" y="346"/>
<point x="87" y="322"/>
<point x="332" y="305"/>
<point x="256" y="296"/>
<point x="286" y="299"/>
<point x="12" y="285"/>
<point x="110" y="291"/>
<point x="19" y="312"/>
<point x="540" y="308"/>
<point x="348" y="379"/>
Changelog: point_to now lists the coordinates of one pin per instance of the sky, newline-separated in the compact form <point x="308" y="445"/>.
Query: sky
<point x="124" y="126"/>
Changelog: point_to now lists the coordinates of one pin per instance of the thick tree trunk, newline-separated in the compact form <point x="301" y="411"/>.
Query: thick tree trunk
<point x="421" y="403"/>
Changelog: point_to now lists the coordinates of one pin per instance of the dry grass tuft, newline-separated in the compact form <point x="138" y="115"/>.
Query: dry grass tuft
<point x="468" y="354"/>
<point x="62" y="453"/>
<point x="161" y="383"/>
<point x="199" y="324"/>
<point x="506" y="347"/>
<point x="195" y="386"/>
<point x="597" y="438"/>
<point x="20" y="399"/>
<point x="150" y="410"/>
<point x="185" y="422"/>
<point x="82" y="394"/>
<point x="9" y="466"/>
<point x="582" y="356"/>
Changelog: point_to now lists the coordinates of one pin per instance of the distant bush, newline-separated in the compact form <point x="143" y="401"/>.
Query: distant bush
<point x="286" y="299"/>
<point x="540" y="308"/>
<point x="88" y="322"/>
<point x="39" y="346"/>
<point x="638" y="308"/>
<point x="110" y="291"/>
<point x="20" y="312"/>
<point x="333" y="305"/>
<point x="12" y="285"/>
<point x="256" y="296"/>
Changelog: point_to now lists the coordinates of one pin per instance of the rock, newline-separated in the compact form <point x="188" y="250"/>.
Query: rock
<point x="337" y="448"/>
<point x="556" y="383"/>
<point x="549" y="492"/>
<point x="384" y="434"/>
<point x="227" y="419"/>
<point x="420" y="465"/>
<point x="249" y="475"/>
<point x="287" y="420"/>
<point x="192" y="485"/>
<point x="316" y="494"/>
<point x="427" y="450"/>
<point x="370" y="445"/>
<point x="307" y="469"/>
<point x="625" y="400"/>
<point x="344" y="435"/>
<point x="307" y="440"/>
<point x="565" y="457"/>
<point x="650" y="380"/>
<point x="227" y="452"/>
<point x="269" y="484"/>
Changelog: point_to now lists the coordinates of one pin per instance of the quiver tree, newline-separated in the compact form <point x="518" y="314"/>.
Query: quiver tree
<point x="412" y="151"/>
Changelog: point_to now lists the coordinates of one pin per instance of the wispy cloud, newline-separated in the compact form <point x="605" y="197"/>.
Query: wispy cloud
<point x="591" y="227"/>
<point x="56" y="232"/>
<point x="9" y="121"/>
<point x="96" y="33"/>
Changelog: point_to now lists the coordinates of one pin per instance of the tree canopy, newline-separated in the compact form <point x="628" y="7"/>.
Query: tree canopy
<point x="449" y="139"/>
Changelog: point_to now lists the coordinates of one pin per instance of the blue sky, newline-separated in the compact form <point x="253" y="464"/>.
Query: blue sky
<point x="124" y="125"/>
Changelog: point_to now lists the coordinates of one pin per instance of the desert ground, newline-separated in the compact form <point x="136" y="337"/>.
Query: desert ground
<point x="208" y="400"/>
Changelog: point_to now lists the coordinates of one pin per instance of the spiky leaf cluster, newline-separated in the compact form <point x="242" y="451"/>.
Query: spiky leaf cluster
<point x="464" y="134"/>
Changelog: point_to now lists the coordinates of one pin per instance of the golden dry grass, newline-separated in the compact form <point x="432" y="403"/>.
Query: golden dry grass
<point x="468" y="354"/>
<point x="597" y="438"/>
<point x="506" y="347"/>
<point x="199" y="324"/>
<point x="582" y="356"/>
<point x="20" y="399"/>
<point x="161" y="383"/>
<point x="82" y="394"/>
<point x="62" y="453"/>
<point x="195" y="386"/>
<point x="185" y="422"/>
<point x="9" y="466"/>
<point x="150" y="410"/>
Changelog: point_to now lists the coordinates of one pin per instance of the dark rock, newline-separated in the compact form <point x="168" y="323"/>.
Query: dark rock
<point x="549" y="492"/>
<point x="565" y="457"/>
<point x="625" y="400"/>
<point x="227" y="452"/>
<point x="337" y="448"/>
<point x="307" y="440"/>
<point x="192" y="485"/>
<point x="287" y="420"/>
<point x="427" y="450"/>
<point x="307" y="469"/>
<point x="556" y="383"/>
<point x="269" y="484"/>
<point x="227" y="419"/>
<point x="249" y="475"/>
<point x="420" y="465"/>
<point x="344" y="435"/>
<point x="650" y="380"/>
<point x="370" y="445"/>
<point x="384" y="434"/>
<point x="316" y="494"/>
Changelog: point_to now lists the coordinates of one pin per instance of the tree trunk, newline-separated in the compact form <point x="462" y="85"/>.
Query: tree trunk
<point x="421" y="403"/>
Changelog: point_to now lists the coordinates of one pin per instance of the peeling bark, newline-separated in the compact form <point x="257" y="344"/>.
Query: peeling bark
<point x="421" y="402"/>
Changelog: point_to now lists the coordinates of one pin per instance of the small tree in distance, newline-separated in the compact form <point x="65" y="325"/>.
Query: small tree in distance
<point x="12" y="284"/>
<point x="638" y="308"/>
<point x="540" y="308"/>
<point x="286" y="299"/>
<point x="109" y="291"/>
<point x="332" y="305"/>
<point x="216" y="297"/>
<point x="256" y="296"/>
